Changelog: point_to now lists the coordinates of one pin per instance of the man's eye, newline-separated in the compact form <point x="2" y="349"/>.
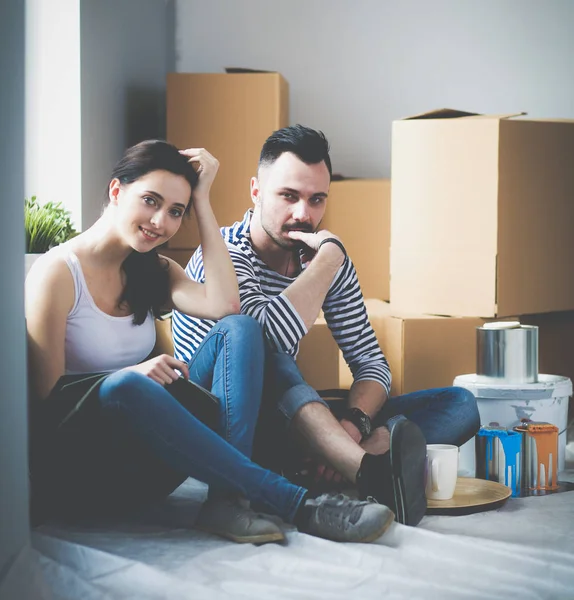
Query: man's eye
<point x="287" y="195"/>
<point x="317" y="200"/>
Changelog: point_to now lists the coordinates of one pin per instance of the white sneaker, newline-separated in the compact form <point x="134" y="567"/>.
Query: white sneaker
<point x="228" y="519"/>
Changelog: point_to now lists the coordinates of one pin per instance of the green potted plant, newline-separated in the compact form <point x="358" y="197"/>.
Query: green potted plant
<point x="46" y="226"/>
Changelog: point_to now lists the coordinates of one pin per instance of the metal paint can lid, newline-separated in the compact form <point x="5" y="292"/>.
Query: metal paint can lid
<point x="502" y="325"/>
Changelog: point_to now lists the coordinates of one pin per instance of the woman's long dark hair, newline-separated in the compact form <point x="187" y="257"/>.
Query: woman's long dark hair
<point x="147" y="277"/>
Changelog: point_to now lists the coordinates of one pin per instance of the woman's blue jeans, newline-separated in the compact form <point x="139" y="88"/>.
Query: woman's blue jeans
<point x="158" y="443"/>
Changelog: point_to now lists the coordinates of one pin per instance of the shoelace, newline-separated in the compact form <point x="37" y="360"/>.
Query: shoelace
<point x="339" y="510"/>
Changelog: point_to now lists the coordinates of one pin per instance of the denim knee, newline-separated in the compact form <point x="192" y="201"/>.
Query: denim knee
<point x="119" y="387"/>
<point x="464" y="403"/>
<point x="242" y="328"/>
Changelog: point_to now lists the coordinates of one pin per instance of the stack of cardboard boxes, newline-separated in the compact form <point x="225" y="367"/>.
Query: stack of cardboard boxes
<point x="481" y="216"/>
<point x="478" y="225"/>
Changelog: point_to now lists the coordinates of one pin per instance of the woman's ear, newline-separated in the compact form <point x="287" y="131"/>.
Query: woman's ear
<point x="114" y="190"/>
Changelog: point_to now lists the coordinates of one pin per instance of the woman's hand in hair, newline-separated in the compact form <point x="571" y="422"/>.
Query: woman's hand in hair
<point x="161" y="369"/>
<point x="206" y="166"/>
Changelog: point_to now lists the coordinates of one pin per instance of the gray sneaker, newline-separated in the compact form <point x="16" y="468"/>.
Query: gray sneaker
<point x="342" y="519"/>
<point x="227" y="518"/>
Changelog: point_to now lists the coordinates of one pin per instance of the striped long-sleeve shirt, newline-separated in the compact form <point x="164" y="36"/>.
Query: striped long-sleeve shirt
<point x="261" y="293"/>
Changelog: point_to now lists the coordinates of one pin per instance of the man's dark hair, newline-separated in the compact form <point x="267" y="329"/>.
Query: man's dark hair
<point x="308" y="145"/>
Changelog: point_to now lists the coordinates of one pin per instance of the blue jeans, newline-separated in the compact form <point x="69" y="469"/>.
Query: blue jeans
<point x="445" y="415"/>
<point x="152" y="444"/>
<point x="230" y="363"/>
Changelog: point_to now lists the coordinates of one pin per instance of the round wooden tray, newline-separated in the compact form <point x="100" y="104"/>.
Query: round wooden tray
<point x="471" y="496"/>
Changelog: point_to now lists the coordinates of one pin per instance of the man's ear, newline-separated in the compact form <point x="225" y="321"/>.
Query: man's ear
<point x="114" y="190"/>
<point x="255" y="191"/>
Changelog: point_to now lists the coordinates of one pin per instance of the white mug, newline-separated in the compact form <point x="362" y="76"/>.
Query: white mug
<point x="442" y="470"/>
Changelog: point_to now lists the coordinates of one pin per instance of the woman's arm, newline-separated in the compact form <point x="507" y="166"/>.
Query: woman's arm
<point x="192" y="298"/>
<point x="49" y="299"/>
<point x="219" y="295"/>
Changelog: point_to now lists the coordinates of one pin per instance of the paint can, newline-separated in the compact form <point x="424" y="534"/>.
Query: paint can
<point x="507" y="352"/>
<point x="509" y="405"/>
<point x="498" y="456"/>
<point x="539" y="473"/>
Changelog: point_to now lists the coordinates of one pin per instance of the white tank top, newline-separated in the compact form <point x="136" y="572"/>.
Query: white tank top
<point x="96" y="341"/>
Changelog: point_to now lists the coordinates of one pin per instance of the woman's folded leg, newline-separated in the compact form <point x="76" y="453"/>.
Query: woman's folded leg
<point x="148" y="412"/>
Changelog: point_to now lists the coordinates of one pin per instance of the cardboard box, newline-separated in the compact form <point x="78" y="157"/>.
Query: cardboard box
<point x="423" y="351"/>
<point x="231" y="115"/>
<point x="359" y="212"/>
<point x="320" y="361"/>
<point x="163" y="339"/>
<point x="481" y="215"/>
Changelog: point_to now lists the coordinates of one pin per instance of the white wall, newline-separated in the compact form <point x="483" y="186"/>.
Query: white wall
<point x="355" y="65"/>
<point x="95" y="76"/>
<point x="53" y="119"/>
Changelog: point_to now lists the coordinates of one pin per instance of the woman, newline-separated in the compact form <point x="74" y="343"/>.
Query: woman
<point x="90" y="307"/>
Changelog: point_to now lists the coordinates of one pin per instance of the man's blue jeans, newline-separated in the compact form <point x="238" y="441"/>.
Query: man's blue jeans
<point x="152" y="444"/>
<point x="445" y="415"/>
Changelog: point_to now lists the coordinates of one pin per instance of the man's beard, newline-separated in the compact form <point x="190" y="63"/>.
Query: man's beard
<point x="285" y="243"/>
<point x="282" y="242"/>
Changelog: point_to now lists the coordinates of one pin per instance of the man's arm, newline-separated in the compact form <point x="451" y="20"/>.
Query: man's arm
<point x="281" y="323"/>
<point x="288" y="316"/>
<point x="307" y="293"/>
<point x="347" y="318"/>
<point x="367" y="395"/>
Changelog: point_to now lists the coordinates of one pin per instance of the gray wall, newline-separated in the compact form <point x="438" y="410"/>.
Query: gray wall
<point x="14" y="524"/>
<point x="355" y="65"/>
<point x="126" y="51"/>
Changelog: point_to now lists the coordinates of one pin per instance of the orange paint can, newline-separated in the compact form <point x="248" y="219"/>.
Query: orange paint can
<point x="539" y="472"/>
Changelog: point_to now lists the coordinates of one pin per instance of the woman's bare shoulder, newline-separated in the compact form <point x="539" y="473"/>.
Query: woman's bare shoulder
<point x="50" y="274"/>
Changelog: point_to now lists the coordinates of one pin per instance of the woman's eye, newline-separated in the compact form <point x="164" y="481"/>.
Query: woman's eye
<point x="149" y="200"/>
<point x="176" y="213"/>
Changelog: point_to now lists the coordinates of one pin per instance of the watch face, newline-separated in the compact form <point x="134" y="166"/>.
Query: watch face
<point x="366" y="425"/>
<point x="369" y="427"/>
<point x="360" y="420"/>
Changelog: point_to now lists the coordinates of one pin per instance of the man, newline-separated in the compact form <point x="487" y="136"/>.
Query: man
<point x="288" y="270"/>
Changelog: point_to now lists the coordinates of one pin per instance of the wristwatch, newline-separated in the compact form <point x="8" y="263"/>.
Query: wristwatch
<point x="360" y="420"/>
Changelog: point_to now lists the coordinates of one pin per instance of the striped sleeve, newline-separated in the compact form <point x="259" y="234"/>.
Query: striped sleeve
<point x="188" y="332"/>
<point x="347" y="318"/>
<point x="282" y="324"/>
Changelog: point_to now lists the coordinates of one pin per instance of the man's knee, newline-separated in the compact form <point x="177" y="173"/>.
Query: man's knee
<point x="466" y="407"/>
<point x="244" y="326"/>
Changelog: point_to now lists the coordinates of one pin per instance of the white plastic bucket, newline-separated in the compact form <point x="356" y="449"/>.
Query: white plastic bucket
<point x="507" y="404"/>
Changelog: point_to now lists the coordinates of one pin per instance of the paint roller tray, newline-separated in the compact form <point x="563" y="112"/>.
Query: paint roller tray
<point x="471" y="496"/>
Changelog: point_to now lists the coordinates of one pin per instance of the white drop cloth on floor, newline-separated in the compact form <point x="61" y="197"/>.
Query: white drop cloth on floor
<point x="523" y="550"/>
